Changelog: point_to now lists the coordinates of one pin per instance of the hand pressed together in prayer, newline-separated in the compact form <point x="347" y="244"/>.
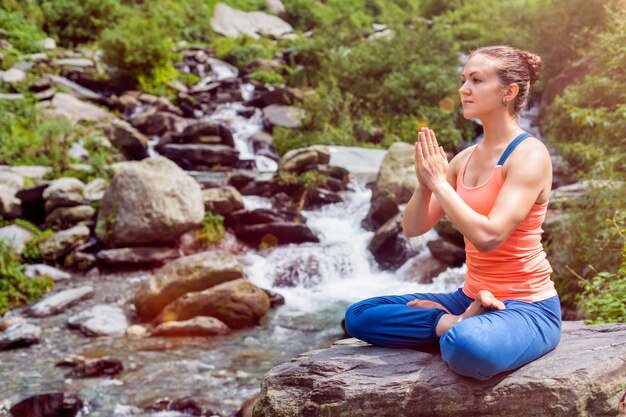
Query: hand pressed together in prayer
<point x="431" y="161"/>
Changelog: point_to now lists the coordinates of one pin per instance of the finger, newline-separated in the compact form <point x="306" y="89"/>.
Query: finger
<point x="419" y="153"/>
<point x="424" y="142"/>
<point x="432" y="133"/>
<point x="443" y="153"/>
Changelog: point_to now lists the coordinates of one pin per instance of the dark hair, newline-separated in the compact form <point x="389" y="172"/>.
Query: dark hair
<point x="514" y="66"/>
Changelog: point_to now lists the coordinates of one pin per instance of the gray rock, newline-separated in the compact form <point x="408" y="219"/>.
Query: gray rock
<point x="49" y="43"/>
<point x="16" y="236"/>
<point x="234" y="23"/>
<point x="66" y="106"/>
<point x="583" y="376"/>
<point x="136" y="256"/>
<point x="77" y="89"/>
<point x="189" y="156"/>
<point x="10" y="184"/>
<point x="390" y="247"/>
<point x="283" y="116"/>
<point x="100" y="320"/>
<point x="13" y="75"/>
<point x="60" y="301"/>
<point x="37" y="270"/>
<point x="222" y="200"/>
<point x="397" y="173"/>
<point x="297" y="160"/>
<point x="63" y="242"/>
<point x="62" y="217"/>
<point x="19" y="335"/>
<point x="384" y="207"/>
<point x="149" y="203"/>
<point x="63" y="192"/>
<point x="94" y="190"/>
<point x="11" y="96"/>
<point x="197" y="326"/>
<point x="73" y="62"/>
<point x="133" y="143"/>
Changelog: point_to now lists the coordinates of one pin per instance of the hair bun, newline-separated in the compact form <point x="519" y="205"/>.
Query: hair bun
<point x="535" y="65"/>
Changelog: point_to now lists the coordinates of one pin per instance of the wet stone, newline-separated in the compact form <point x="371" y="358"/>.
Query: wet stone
<point x="48" y="405"/>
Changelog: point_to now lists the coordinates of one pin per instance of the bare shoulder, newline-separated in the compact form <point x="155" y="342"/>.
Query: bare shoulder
<point x="530" y="154"/>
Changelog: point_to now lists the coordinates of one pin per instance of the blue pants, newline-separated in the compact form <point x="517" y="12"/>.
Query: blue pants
<point x="479" y="347"/>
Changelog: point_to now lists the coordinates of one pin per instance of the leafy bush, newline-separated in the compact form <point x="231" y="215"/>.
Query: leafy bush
<point x="586" y="123"/>
<point x="242" y="50"/>
<point x="23" y="34"/>
<point x="603" y="296"/>
<point x="15" y="287"/>
<point x="79" y="21"/>
<point x="267" y="77"/>
<point x="139" y="49"/>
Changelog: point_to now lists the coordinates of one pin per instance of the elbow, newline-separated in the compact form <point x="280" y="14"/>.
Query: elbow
<point x="486" y="240"/>
<point x="488" y="244"/>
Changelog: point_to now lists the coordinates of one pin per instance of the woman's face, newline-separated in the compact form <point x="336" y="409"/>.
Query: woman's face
<point x="481" y="91"/>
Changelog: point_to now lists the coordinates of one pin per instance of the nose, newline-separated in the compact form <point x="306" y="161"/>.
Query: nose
<point x="464" y="91"/>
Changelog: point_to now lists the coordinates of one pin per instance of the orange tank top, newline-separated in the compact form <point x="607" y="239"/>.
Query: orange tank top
<point x="518" y="268"/>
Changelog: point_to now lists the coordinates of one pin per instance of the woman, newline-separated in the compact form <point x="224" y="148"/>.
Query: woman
<point x="496" y="194"/>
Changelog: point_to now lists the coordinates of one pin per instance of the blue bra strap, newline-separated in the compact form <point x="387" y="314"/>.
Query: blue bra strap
<point x="512" y="147"/>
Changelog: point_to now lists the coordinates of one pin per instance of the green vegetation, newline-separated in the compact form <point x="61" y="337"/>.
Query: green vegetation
<point x="587" y="123"/>
<point x="76" y="22"/>
<point x="355" y="84"/>
<point x="212" y="228"/>
<point x="15" y="287"/>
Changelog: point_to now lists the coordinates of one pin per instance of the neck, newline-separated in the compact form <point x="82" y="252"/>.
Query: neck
<point x="499" y="128"/>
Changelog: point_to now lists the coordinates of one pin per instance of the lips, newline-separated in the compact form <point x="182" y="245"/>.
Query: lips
<point x="467" y="101"/>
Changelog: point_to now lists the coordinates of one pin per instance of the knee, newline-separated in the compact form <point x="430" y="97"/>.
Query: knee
<point x="467" y="353"/>
<point x="353" y="321"/>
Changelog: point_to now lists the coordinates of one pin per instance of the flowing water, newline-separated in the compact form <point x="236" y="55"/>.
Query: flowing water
<point x="221" y="372"/>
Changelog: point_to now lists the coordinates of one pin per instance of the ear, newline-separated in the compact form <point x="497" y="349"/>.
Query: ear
<point x="511" y="91"/>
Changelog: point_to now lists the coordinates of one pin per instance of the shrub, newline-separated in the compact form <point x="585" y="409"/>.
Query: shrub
<point x="602" y="297"/>
<point x="15" y="287"/>
<point x="79" y="21"/>
<point x="23" y="34"/>
<point x="138" y="49"/>
<point x="267" y="77"/>
<point x="586" y="123"/>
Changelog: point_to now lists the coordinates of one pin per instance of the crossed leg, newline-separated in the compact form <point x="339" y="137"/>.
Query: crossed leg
<point x="501" y="340"/>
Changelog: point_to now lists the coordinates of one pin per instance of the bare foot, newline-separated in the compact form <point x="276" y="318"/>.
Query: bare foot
<point x="483" y="302"/>
<point x="426" y="304"/>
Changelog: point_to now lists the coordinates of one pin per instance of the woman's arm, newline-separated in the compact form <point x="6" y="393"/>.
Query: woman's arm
<point x="526" y="176"/>
<point x="423" y="211"/>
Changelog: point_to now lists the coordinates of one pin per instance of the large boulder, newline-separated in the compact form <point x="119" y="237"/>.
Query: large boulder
<point x="235" y="23"/>
<point x="190" y="273"/>
<point x="149" y="203"/>
<point x="283" y="116"/>
<point x="297" y="160"/>
<point x="390" y="247"/>
<point x="66" y="106"/>
<point x="397" y="173"/>
<point x="237" y="303"/>
<point x="583" y="376"/>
